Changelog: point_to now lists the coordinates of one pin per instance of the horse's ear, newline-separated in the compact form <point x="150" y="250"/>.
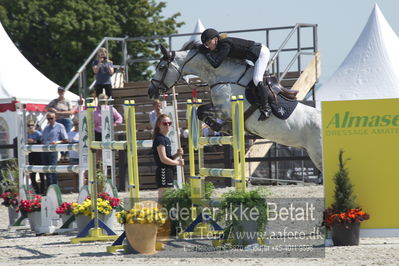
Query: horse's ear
<point x="163" y="50"/>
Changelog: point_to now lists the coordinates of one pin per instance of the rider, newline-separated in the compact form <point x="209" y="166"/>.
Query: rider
<point x="216" y="47"/>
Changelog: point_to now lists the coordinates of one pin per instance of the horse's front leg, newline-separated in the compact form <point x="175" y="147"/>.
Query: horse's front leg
<point x="221" y="99"/>
<point x="216" y="115"/>
<point x="209" y="115"/>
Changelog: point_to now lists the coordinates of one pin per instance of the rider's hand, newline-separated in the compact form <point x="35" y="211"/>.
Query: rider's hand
<point x="203" y="49"/>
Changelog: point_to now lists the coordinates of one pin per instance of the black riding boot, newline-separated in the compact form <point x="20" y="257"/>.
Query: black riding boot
<point x="264" y="108"/>
<point x="214" y="125"/>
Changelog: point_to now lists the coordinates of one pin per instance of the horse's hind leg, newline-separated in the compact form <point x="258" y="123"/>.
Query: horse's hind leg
<point x="207" y="114"/>
<point x="315" y="154"/>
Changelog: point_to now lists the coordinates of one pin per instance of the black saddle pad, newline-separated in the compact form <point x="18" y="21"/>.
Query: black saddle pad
<point x="282" y="109"/>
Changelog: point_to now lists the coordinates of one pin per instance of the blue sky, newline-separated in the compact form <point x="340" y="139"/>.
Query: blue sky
<point x="340" y="22"/>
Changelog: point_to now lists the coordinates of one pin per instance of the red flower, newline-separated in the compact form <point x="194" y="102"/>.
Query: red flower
<point x="34" y="204"/>
<point x="10" y="199"/>
<point x="113" y="201"/>
<point x="64" y="208"/>
<point x="332" y="216"/>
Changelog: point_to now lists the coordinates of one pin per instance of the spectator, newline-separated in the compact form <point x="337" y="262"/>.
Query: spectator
<point x="153" y="115"/>
<point x="35" y="158"/>
<point x="97" y="121"/>
<point x="104" y="69"/>
<point x="53" y="133"/>
<point x="162" y="150"/>
<point x="73" y="137"/>
<point x="62" y="108"/>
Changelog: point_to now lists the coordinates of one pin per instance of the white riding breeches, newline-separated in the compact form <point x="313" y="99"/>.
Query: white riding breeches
<point x="261" y="64"/>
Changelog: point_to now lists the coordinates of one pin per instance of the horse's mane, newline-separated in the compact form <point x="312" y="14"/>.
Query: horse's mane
<point x="190" y="45"/>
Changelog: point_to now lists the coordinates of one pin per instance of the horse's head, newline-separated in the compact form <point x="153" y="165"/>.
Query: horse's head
<point x="166" y="76"/>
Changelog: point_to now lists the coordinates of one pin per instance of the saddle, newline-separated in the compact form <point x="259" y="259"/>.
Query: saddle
<point x="282" y="100"/>
<point x="276" y="88"/>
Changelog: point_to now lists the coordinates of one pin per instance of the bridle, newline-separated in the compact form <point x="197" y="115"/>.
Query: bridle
<point x="167" y="59"/>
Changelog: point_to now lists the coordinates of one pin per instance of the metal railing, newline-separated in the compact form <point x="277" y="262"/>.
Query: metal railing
<point x="274" y="66"/>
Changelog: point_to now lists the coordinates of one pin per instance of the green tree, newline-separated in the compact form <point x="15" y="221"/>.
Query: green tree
<point x="56" y="36"/>
<point x="343" y="194"/>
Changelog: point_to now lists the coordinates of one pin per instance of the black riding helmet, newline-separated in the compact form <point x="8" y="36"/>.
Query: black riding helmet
<point x="208" y="34"/>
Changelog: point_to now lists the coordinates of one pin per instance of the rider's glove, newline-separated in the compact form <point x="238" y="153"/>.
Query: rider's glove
<point x="203" y="49"/>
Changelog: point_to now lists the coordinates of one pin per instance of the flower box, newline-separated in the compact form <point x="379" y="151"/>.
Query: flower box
<point x="141" y="226"/>
<point x="142" y="237"/>
<point x="346" y="234"/>
<point x="13" y="215"/>
<point x="82" y="220"/>
<point x="35" y="220"/>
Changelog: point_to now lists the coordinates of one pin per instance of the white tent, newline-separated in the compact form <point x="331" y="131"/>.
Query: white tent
<point x="371" y="69"/>
<point x="199" y="27"/>
<point x="21" y="82"/>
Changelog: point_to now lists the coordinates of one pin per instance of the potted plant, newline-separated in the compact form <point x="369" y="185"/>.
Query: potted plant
<point x="10" y="200"/>
<point x="344" y="216"/>
<point x="32" y="207"/>
<point x="9" y="174"/>
<point x="141" y="223"/>
<point x="245" y="215"/>
<point x="106" y="208"/>
<point x="178" y="199"/>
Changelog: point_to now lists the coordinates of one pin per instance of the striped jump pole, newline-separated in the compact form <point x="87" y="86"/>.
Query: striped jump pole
<point x="237" y="141"/>
<point x="197" y="179"/>
<point x="50" y="168"/>
<point x="94" y="230"/>
<point x="53" y="197"/>
<point x="24" y="149"/>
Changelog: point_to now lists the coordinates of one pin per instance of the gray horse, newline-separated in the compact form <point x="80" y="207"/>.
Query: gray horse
<point x="302" y="129"/>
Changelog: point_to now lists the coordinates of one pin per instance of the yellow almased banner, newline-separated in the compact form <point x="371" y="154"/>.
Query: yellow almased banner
<point x="368" y="132"/>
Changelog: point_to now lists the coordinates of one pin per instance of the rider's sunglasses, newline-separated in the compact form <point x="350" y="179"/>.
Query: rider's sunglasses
<point x="164" y="123"/>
